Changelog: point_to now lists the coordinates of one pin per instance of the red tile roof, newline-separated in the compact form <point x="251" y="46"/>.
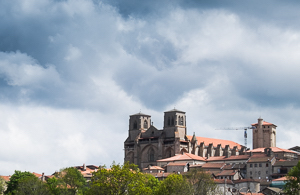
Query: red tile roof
<point x="215" y="142"/>
<point x="6" y="178"/>
<point x="221" y="181"/>
<point x="176" y="164"/>
<point x="182" y="157"/>
<point x="153" y="168"/>
<point x="160" y="175"/>
<point x="37" y="174"/>
<point x="280" y="179"/>
<point x="264" y="123"/>
<point x="274" y="149"/>
<point x="213" y="165"/>
<point x="233" y="157"/>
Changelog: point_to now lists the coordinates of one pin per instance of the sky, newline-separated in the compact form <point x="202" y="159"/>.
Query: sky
<point x="72" y="71"/>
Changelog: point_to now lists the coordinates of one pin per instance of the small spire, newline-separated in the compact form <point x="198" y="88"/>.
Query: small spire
<point x="194" y="139"/>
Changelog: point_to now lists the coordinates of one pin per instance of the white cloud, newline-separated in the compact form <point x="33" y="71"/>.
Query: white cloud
<point x="21" y="70"/>
<point x="76" y="69"/>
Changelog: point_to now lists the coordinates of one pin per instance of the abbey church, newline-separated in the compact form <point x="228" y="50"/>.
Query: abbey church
<point x="146" y="144"/>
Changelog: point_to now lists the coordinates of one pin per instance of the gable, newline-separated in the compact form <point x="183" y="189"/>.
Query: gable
<point x="151" y="132"/>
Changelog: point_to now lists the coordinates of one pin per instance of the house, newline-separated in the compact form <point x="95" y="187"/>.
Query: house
<point x="229" y="187"/>
<point x="282" y="167"/>
<point x="87" y="171"/>
<point x="153" y="169"/>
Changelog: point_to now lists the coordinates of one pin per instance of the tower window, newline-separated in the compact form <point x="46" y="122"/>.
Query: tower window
<point x="169" y="121"/>
<point x="151" y="155"/>
<point x="172" y="123"/>
<point x="135" y="125"/>
<point x="145" y="124"/>
<point x="181" y="120"/>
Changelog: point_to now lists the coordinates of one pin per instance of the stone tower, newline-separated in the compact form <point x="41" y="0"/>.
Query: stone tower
<point x="175" y="121"/>
<point x="137" y="123"/>
<point x="264" y="134"/>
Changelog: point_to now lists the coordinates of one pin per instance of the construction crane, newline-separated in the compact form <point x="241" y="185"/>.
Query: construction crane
<point x="239" y="128"/>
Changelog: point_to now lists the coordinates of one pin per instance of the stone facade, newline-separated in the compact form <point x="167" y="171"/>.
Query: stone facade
<point x="146" y="144"/>
<point x="264" y="134"/>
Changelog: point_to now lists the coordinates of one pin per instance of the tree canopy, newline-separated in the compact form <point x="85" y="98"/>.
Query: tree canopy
<point x="32" y="186"/>
<point x="15" y="179"/>
<point x="202" y="182"/>
<point x="122" y="179"/>
<point x="118" y="180"/>
<point x="67" y="181"/>
<point x="292" y="186"/>
<point x="2" y="185"/>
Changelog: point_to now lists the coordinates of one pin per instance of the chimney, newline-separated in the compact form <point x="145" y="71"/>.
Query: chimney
<point x="43" y="177"/>
<point x="227" y="151"/>
<point x="84" y="167"/>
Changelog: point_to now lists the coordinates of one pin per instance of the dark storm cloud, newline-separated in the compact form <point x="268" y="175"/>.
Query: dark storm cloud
<point x="283" y="13"/>
<point x="70" y="69"/>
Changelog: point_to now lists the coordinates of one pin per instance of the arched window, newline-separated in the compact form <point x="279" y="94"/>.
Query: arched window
<point x="151" y="155"/>
<point x="168" y="153"/>
<point x="130" y="157"/>
<point x="135" y="125"/>
<point x="172" y="123"/>
<point x="145" y="124"/>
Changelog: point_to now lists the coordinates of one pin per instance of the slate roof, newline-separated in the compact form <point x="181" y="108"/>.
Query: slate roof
<point x="286" y="163"/>
<point x="227" y="173"/>
<point x="260" y="159"/>
<point x="235" y="166"/>
<point x="140" y="114"/>
<point x="213" y="165"/>
<point x="175" y="110"/>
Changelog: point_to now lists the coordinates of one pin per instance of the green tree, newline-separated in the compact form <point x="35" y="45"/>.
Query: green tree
<point x="56" y="186"/>
<point x="202" y="182"/>
<point x="67" y="181"/>
<point x="2" y="185"/>
<point x="13" y="183"/>
<point x="121" y="179"/>
<point x="32" y="186"/>
<point x="292" y="186"/>
<point x="175" y="184"/>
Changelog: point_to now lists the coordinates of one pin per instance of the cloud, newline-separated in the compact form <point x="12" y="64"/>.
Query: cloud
<point x="72" y="71"/>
